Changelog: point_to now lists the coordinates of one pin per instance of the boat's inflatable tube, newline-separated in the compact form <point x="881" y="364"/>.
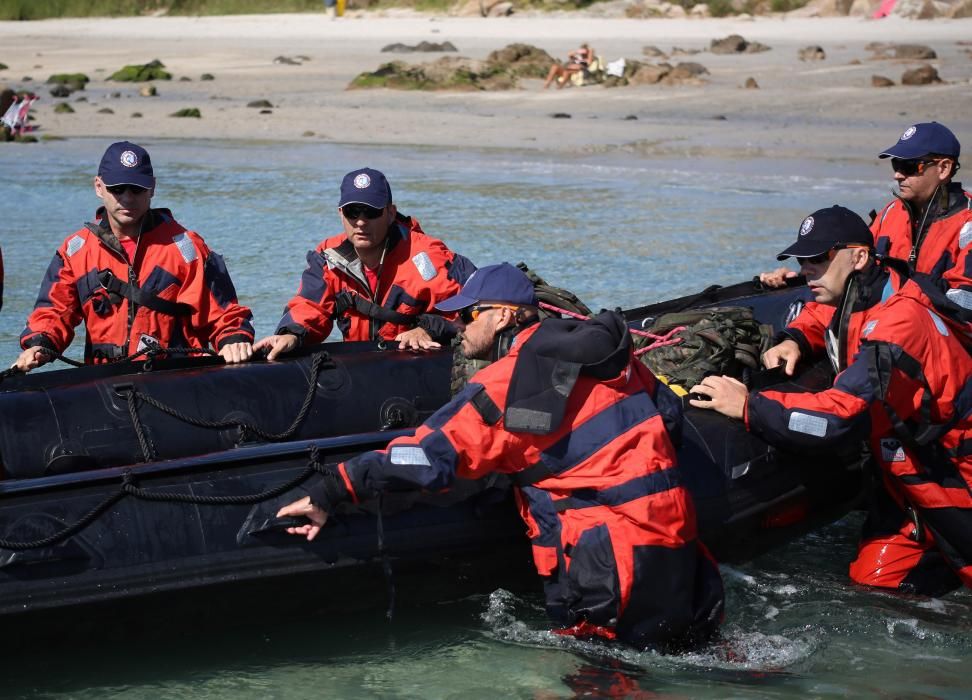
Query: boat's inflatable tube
<point x="74" y="420"/>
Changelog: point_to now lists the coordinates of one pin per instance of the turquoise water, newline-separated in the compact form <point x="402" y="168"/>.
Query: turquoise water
<point x="618" y="231"/>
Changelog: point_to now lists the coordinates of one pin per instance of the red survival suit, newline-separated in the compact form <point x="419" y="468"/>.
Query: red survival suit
<point x="908" y="387"/>
<point x="418" y="272"/>
<point x="612" y="526"/>
<point x="175" y="293"/>
<point x="937" y="251"/>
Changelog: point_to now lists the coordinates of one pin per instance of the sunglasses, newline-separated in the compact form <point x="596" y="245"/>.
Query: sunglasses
<point x="122" y="189"/>
<point x="829" y="255"/>
<point x="909" y="167"/>
<point x="353" y="212"/>
<point x="471" y="313"/>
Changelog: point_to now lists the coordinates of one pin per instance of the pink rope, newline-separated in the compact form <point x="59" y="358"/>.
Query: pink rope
<point x="660" y="340"/>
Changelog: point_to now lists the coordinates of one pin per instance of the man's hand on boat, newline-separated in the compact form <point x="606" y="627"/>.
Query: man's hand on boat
<point x="785" y="355"/>
<point x="32" y="358"/>
<point x="726" y="395"/>
<point x="233" y="353"/>
<point x="304" y="508"/>
<point x="277" y="345"/>
<point x="416" y="339"/>
<point x="777" y="278"/>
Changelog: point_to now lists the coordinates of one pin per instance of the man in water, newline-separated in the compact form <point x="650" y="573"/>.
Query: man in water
<point x="136" y="277"/>
<point x="379" y="280"/>
<point x="583" y="429"/>
<point x="904" y="382"/>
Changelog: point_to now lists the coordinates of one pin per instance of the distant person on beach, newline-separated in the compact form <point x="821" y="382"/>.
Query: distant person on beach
<point x="928" y="226"/>
<point x="379" y="280"/>
<point x="577" y="60"/>
<point x="585" y="432"/>
<point x="136" y="278"/>
<point x="330" y="7"/>
<point x="904" y="383"/>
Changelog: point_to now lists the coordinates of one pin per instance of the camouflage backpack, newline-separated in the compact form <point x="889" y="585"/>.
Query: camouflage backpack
<point x="716" y="340"/>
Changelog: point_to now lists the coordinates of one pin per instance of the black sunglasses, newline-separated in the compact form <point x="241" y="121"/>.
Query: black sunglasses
<point x="909" y="167"/>
<point x="471" y="313"/>
<point x="122" y="189"/>
<point x="824" y="257"/>
<point x="353" y="212"/>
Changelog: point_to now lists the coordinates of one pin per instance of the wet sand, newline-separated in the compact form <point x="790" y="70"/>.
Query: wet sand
<point x="814" y="110"/>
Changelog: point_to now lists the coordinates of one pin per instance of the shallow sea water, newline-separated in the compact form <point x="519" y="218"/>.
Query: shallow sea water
<point x="618" y="230"/>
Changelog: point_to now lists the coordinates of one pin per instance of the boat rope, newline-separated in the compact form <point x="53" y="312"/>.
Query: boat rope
<point x="148" y="449"/>
<point x="659" y="340"/>
<point x="386" y="566"/>
<point x="150" y="353"/>
<point x="130" y="488"/>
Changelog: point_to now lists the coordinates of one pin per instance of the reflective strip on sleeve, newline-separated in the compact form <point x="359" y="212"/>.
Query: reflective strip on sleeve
<point x="939" y="323"/>
<point x="960" y="297"/>
<point x="185" y="247"/>
<point x="407" y="454"/>
<point x="424" y="265"/>
<point x="965" y="235"/>
<point x="807" y="424"/>
<point x="74" y="245"/>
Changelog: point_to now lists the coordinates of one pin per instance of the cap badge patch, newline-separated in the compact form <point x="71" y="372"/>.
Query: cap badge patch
<point x="362" y="181"/>
<point x="807" y="226"/>
<point x="911" y="131"/>
<point x="128" y="159"/>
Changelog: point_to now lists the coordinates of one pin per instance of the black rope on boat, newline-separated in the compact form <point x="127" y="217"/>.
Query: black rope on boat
<point x="68" y="531"/>
<point x="313" y="466"/>
<point x="144" y="441"/>
<point x="316" y="366"/>
<point x="129" y="488"/>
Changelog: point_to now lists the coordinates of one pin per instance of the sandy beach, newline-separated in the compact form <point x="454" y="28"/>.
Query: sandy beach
<point x="822" y="109"/>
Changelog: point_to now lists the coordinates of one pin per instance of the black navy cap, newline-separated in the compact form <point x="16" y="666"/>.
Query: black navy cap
<point x="920" y="140"/>
<point x="365" y="186"/>
<point x="500" y="283"/>
<point x="827" y="229"/>
<point x="126" y="163"/>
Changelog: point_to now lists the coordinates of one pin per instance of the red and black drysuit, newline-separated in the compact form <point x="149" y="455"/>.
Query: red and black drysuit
<point x="174" y="292"/>
<point x="416" y="273"/>
<point x="908" y="389"/>
<point x="936" y="246"/>
<point x="584" y="435"/>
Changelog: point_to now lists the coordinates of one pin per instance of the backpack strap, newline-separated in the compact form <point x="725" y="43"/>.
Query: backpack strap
<point x="140" y="297"/>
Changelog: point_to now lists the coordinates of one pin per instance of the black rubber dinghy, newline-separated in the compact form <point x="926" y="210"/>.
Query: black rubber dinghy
<point x="162" y="477"/>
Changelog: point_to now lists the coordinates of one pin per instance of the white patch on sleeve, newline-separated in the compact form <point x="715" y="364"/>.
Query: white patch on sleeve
<point x="185" y="246"/>
<point x="74" y="245"/>
<point x="411" y="455"/>
<point x="891" y="450"/>
<point x="960" y="297"/>
<point x="939" y="323"/>
<point x="965" y="235"/>
<point x="423" y="263"/>
<point x="807" y="424"/>
<point x="871" y="325"/>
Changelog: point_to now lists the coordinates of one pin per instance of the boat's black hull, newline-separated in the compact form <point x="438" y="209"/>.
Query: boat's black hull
<point x="186" y="524"/>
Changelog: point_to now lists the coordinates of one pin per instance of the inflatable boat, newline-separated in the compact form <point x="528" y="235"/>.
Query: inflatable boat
<point x="163" y="477"/>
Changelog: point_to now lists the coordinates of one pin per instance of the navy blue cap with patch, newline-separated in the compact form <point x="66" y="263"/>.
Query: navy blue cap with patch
<point x="365" y="186"/>
<point x="827" y="229"/>
<point x="920" y="140"/>
<point x="126" y="163"/>
<point x="499" y="283"/>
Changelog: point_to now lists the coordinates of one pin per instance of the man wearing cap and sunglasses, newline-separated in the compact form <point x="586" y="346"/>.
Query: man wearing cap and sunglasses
<point x="379" y="280"/>
<point x="928" y="226"/>
<point x="136" y="277"/>
<point x="904" y="382"/>
<point x="583" y="431"/>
